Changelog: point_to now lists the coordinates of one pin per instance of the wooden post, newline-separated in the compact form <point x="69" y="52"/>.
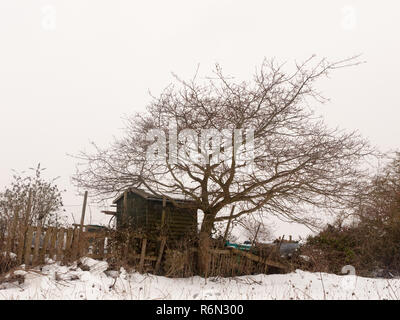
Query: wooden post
<point x="127" y="248"/>
<point x="100" y="247"/>
<point x="163" y="215"/>
<point x="28" y="246"/>
<point x="75" y="245"/>
<point x="68" y="245"/>
<point x="84" y="244"/>
<point x="35" y="259"/>
<point x="255" y="236"/>
<point x="12" y="233"/>
<point x="20" y="248"/>
<point x="84" y="210"/>
<point x="160" y="254"/>
<point x="143" y="254"/>
<point x="228" y="225"/>
<point x="79" y="243"/>
<point x="53" y="239"/>
<point x="60" y="244"/>
<point x="23" y="228"/>
<point x="42" y="255"/>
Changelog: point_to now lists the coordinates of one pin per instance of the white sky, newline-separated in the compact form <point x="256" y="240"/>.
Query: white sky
<point x="69" y="70"/>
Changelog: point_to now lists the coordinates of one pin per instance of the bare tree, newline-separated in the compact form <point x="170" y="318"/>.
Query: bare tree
<point x="297" y="161"/>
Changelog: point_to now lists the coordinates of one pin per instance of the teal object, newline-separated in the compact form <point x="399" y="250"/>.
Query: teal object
<point x="243" y="247"/>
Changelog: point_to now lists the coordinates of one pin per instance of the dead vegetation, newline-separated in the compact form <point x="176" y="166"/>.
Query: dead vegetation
<point x="370" y="241"/>
<point x="178" y="257"/>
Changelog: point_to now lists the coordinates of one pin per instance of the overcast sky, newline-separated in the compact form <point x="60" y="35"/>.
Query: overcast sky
<point x="70" y="70"/>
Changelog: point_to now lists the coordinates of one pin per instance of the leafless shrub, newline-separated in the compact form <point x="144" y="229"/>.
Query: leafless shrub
<point x="33" y="199"/>
<point x="371" y="241"/>
<point x="256" y="230"/>
<point x="7" y="262"/>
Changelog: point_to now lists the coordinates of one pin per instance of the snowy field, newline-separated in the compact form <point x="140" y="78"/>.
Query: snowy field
<point x="94" y="282"/>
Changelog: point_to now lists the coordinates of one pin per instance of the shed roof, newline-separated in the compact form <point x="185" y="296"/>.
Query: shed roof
<point x="151" y="196"/>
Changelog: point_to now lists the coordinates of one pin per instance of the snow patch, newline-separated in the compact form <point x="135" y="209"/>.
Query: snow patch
<point x="90" y="279"/>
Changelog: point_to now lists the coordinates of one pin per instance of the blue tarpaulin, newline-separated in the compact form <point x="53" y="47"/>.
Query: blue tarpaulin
<point x="244" y="247"/>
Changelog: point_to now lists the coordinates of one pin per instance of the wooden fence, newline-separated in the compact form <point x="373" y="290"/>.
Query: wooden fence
<point x="34" y="244"/>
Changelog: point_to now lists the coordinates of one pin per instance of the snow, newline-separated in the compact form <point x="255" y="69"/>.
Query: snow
<point x="12" y="255"/>
<point x="94" y="281"/>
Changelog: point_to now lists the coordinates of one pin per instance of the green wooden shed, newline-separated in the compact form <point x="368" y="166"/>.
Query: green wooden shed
<point x="154" y="214"/>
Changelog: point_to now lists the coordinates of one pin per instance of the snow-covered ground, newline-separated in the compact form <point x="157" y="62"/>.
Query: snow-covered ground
<point x="94" y="282"/>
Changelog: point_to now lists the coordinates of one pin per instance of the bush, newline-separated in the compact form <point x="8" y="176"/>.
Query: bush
<point x="7" y="262"/>
<point x="33" y="199"/>
<point x="372" y="242"/>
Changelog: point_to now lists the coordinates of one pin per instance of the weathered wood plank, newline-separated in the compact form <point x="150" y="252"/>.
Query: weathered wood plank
<point x="221" y="251"/>
<point x="21" y="241"/>
<point x="60" y="244"/>
<point x="46" y="239"/>
<point x="52" y="244"/>
<point x="95" y="235"/>
<point x="146" y="258"/>
<point x="76" y="243"/>
<point x="160" y="254"/>
<point x="84" y="209"/>
<point x="68" y="245"/>
<point x="259" y="259"/>
<point x="28" y="246"/>
<point x="100" y="247"/>
<point x="143" y="254"/>
<point x="35" y="259"/>
<point x="12" y="233"/>
<point x="83" y="244"/>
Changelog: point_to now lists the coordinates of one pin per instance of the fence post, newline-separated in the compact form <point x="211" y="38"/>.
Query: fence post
<point x="28" y="245"/>
<point x="100" y="246"/>
<point x="23" y="229"/>
<point x="53" y="240"/>
<point x="255" y="236"/>
<point x="75" y="245"/>
<point x="20" y="248"/>
<point x="160" y="253"/>
<point x="143" y="254"/>
<point x="79" y="243"/>
<point x="37" y="245"/>
<point x="60" y="244"/>
<point x="12" y="233"/>
<point x="68" y="245"/>
<point x="228" y="225"/>
<point x="84" y="209"/>
<point x="46" y="239"/>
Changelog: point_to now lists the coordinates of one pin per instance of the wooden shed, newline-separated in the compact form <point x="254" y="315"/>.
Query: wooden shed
<point x="155" y="214"/>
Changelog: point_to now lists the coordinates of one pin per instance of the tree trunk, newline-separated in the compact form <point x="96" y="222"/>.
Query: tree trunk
<point x="204" y="255"/>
